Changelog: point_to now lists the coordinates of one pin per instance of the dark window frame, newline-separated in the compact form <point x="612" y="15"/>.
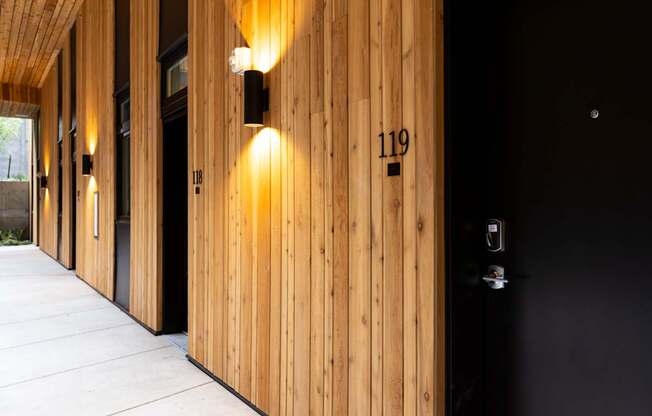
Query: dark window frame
<point x="179" y="100"/>
<point x="123" y="185"/>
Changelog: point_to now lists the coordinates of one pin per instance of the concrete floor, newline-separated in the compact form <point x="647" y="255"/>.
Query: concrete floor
<point x="65" y="350"/>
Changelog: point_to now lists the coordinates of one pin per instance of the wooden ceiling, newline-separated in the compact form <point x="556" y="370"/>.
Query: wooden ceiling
<point x="18" y="110"/>
<point x="19" y="101"/>
<point x="31" y="32"/>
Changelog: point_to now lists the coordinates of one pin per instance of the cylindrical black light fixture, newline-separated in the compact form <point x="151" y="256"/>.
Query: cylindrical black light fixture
<point x="87" y="165"/>
<point x="43" y="181"/>
<point x="256" y="99"/>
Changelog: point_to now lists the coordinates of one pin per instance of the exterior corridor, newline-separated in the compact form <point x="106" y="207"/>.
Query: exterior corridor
<point x="66" y="350"/>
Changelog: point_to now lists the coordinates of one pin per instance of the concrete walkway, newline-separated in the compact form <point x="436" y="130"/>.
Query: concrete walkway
<point x="65" y="350"/>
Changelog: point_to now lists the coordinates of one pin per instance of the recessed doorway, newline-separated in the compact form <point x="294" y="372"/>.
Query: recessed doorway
<point x="173" y="51"/>
<point x="175" y="224"/>
<point x="123" y="157"/>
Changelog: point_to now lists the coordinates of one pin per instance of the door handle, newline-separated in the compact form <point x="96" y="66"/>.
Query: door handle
<point x="496" y="277"/>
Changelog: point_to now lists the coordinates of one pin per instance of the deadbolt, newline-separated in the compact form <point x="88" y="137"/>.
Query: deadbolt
<point x="495" y="235"/>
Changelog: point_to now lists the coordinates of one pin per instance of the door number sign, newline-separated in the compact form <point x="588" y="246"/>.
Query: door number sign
<point x="197" y="179"/>
<point x="403" y="140"/>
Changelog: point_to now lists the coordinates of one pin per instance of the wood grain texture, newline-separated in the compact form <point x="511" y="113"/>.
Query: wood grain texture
<point x="359" y="188"/>
<point x="96" y="136"/>
<point x="20" y="93"/>
<point x="145" y="301"/>
<point x="316" y="280"/>
<point x="19" y="101"/>
<point x="18" y="109"/>
<point x="340" y="148"/>
<point x="392" y="113"/>
<point x="410" y="267"/>
<point x="33" y="185"/>
<point x="48" y="152"/>
<point x="31" y="33"/>
<point x="377" y="174"/>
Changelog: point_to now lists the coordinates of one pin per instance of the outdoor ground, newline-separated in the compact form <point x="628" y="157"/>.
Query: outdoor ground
<point x="65" y="350"/>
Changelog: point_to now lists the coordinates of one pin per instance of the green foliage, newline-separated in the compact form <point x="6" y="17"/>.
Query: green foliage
<point x="9" y="130"/>
<point x="17" y="178"/>
<point x="13" y="238"/>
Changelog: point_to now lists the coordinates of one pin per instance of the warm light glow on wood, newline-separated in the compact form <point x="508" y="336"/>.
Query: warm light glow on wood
<point x="92" y="134"/>
<point x="264" y="58"/>
<point x="259" y="32"/>
<point x="260" y="144"/>
<point x="45" y="155"/>
<point x="92" y="185"/>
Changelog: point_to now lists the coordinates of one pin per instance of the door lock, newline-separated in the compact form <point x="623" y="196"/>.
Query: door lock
<point x="495" y="235"/>
<point x="496" y="277"/>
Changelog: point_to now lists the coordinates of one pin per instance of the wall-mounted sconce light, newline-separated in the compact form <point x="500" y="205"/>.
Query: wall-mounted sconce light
<point x="43" y="181"/>
<point x="240" y="60"/>
<point x="256" y="99"/>
<point x="96" y="215"/>
<point x="87" y="165"/>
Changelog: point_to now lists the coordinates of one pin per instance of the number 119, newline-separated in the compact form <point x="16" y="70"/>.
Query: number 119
<point x="403" y="140"/>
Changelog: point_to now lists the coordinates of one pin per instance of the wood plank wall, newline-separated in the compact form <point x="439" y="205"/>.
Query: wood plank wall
<point x="316" y="281"/>
<point x="35" y="195"/>
<point x="48" y="204"/>
<point x="58" y="247"/>
<point x="96" y="136"/>
<point x="146" y="159"/>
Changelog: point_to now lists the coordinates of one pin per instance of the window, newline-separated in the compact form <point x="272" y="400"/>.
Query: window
<point x="177" y="77"/>
<point x="124" y="197"/>
<point x="125" y="116"/>
<point x="174" y="79"/>
<point x="123" y="161"/>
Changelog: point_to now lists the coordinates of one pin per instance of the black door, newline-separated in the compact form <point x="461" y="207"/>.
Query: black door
<point x="123" y="155"/>
<point x="174" y="113"/>
<point x="123" y="202"/>
<point x="175" y="224"/>
<point x="549" y="129"/>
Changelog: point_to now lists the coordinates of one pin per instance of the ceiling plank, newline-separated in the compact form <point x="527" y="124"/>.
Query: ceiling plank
<point x="30" y="48"/>
<point x="20" y="43"/>
<point x="19" y="101"/>
<point x="19" y="93"/>
<point x="31" y="33"/>
<point x="27" y="41"/>
<point x="11" y="37"/>
<point x="18" y="110"/>
<point x="55" y="40"/>
<point x="36" y="56"/>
